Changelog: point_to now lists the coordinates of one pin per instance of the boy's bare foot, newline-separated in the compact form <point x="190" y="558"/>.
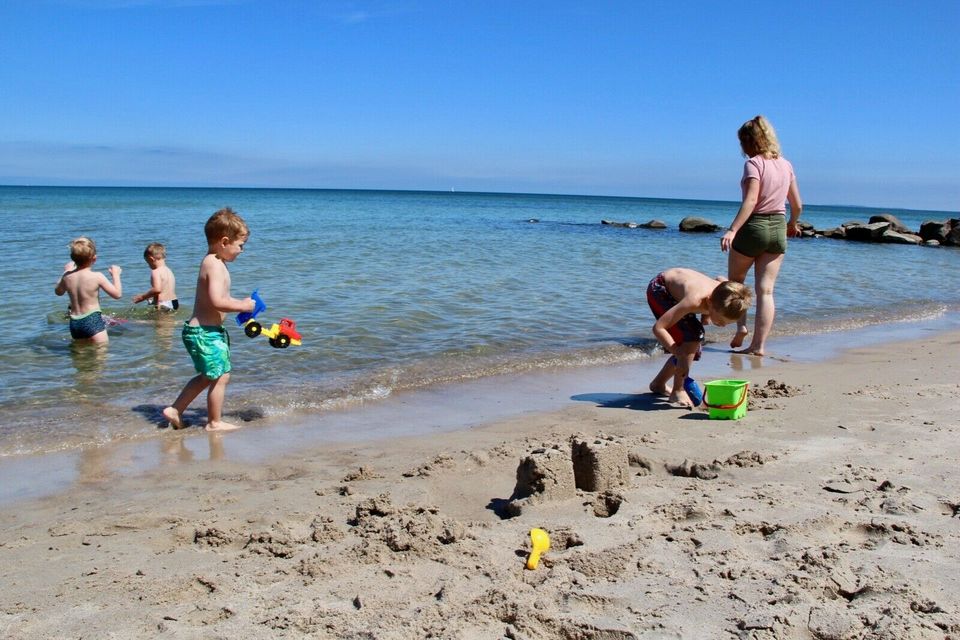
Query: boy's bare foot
<point x="738" y="338"/>
<point x="751" y="351"/>
<point x="680" y="399"/>
<point x="660" y="390"/>
<point x="220" y="425"/>
<point x="173" y="417"/>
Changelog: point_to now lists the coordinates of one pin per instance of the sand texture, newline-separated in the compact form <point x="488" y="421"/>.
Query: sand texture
<point x="832" y="511"/>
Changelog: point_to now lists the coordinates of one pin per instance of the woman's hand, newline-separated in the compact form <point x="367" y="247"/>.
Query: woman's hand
<point x="793" y="230"/>
<point x="727" y="240"/>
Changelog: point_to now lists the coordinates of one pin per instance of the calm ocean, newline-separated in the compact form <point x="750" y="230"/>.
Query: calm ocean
<point x="392" y="291"/>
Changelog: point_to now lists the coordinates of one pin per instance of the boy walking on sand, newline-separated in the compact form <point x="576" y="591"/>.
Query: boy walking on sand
<point x="204" y="335"/>
<point x="675" y="296"/>
<point x="163" y="286"/>
<point x="83" y="284"/>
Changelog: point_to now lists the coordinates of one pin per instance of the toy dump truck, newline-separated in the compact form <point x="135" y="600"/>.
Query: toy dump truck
<point x="281" y="335"/>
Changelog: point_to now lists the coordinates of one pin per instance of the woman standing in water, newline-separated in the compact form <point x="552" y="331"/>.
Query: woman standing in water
<point x="757" y="237"/>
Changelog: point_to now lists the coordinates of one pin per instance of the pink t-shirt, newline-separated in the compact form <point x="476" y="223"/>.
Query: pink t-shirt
<point x="775" y="176"/>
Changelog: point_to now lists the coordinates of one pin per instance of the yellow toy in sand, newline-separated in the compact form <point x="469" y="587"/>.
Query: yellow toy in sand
<point x="541" y="543"/>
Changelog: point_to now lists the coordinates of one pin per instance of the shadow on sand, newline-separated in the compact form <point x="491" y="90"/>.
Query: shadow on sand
<point x="637" y="402"/>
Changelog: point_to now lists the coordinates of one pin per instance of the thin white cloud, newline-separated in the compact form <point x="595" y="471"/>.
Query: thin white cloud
<point x="360" y="12"/>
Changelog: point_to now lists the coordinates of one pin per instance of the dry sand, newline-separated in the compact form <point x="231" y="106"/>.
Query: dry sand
<point x="831" y="511"/>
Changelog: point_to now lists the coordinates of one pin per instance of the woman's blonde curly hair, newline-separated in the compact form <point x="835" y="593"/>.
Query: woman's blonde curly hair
<point x="757" y="138"/>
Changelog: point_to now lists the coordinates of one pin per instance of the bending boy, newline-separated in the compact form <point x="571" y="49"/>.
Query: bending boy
<point x="675" y="296"/>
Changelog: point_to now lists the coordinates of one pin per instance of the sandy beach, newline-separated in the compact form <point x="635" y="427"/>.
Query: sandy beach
<point x="831" y="511"/>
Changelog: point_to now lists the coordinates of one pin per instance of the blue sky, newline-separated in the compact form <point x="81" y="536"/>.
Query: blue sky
<point x="620" y="98"/>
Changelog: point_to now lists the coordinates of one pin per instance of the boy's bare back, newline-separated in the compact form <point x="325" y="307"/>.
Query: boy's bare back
<point x="691" y="289"/>
<point x="163" y="279"/>
<point x="83" y="285"/>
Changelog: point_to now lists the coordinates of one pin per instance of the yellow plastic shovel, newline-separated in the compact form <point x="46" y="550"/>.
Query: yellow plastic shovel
<point x="540" y="542"/>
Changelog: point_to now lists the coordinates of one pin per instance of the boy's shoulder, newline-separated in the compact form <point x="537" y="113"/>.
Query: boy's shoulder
<point x="209" y="260"/>
<point x="212" y="265"/>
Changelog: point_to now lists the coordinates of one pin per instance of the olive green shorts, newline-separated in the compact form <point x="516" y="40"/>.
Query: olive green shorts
<point x="209" y="347"/>
<point x="762" y="234"/>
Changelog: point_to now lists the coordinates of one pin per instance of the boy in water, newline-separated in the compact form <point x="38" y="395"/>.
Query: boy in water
<point x="675" y="296"/>
<point x="204" y="335"/>
<point x="163" y="286"/>
<point x="83" y="284"/>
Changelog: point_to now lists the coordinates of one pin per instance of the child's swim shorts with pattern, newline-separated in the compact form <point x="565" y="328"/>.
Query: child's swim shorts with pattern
<point x="86" y="326"/>
<point x="209" y="347"/>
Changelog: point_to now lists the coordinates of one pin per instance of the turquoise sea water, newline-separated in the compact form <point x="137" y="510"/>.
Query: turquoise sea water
<point x="392" y="291"/>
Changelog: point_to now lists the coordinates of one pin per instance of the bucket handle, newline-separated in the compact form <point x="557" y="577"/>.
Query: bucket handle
<point x="725" y="406"/>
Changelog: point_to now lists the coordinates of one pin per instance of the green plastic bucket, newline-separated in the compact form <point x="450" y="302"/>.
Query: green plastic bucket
<point x="726" y="399"/>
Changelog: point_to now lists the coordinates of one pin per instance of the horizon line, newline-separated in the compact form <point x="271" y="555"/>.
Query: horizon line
<point x="436" y="191"/>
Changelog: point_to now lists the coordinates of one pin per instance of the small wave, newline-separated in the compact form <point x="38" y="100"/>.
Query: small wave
<point x="348" y="392"/>
<point x="37" y="430"/>
<point x="853" y="318"/>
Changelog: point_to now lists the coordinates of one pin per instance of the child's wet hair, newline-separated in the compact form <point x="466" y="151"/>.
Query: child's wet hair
<point x="155" y="250"/>
<point x="731" y="299"/>
<point x="225" y="223"/>
<point x="82" y="251"/>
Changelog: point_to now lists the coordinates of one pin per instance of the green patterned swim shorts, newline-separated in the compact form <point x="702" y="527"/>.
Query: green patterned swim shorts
<point x="210" y="349"/>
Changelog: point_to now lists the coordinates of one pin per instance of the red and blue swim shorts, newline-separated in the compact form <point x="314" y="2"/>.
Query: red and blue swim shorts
<point x="689" y="328"/>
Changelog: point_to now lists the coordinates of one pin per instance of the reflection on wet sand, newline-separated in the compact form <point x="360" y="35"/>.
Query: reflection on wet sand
<point x="99" y="464"/>
<point x="174" y="448"/>
<point x="740" y="362"/>
<point x="93" y="465"/>
<point x="745" y="361"/>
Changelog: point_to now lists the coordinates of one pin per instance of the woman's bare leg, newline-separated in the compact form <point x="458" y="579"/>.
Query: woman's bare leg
<point x="737" y="267"/>
<point x="765" y="271"/>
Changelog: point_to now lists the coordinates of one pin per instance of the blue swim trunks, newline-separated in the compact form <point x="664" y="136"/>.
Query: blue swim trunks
<point x="86" y="326"/>
<point x="209" y="347"/>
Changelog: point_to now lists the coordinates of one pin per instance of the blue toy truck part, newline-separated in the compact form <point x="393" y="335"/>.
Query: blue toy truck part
<point x="259" y="306"/>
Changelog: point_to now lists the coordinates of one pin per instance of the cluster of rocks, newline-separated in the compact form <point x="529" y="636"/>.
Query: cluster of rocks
<point x="653" y="224"/>
<point x="883" y="227"/>
<point x="887" y="228"/>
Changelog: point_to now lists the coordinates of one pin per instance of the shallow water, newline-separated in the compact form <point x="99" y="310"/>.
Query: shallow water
<point x="392" y="291"/>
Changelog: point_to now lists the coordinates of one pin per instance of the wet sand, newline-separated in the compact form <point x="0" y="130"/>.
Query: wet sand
<point x="832" y="510"/>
